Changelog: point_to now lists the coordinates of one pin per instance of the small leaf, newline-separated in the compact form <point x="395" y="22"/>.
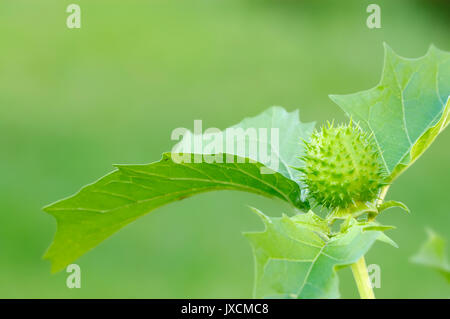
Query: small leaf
<point x="378" y="227"/>
<point x="386" y="239"/>
<point x="433" y="254"/>
<point x="296" y="257"/>
<point x="407" y="110"/>
<point x="375" y="226"/>
<point x="312" y="221"/>
<point x="392" y="203"/>
<point x="102" y="208"/>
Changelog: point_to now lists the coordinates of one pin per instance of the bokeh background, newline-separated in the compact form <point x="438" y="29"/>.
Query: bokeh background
<point x="73" y="102"/>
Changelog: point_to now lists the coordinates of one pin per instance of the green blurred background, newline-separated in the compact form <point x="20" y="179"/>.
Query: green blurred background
<point x="73" y="102"/>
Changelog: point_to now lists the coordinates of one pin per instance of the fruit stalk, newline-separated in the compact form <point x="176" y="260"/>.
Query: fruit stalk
<point x="361" y="276"/>
<point x="359" y="269"/>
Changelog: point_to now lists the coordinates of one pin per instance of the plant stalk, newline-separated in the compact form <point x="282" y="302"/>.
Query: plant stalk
<point x="383" y="193"/>
<point x="361" y="276"/>
<point x="359" y="268"/>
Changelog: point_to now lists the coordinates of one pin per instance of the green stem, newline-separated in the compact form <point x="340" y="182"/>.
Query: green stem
<point x="359" y="268"/>
<point x="361" y="276"/>
<point x="383" y="193"/>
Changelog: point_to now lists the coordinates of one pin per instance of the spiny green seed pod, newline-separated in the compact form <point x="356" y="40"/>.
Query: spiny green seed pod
<point x="342" y="167"/>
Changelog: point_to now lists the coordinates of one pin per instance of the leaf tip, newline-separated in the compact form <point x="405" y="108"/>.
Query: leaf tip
<point x="54" y="266"/>
<point x="258" y="212"/>
<point x="387" y="48"/>
<point x="333" y="97"/>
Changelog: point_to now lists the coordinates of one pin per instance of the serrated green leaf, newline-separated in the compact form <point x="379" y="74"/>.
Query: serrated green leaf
<point x="407" y="110"/>
<point x="100" y="209"/>
<point x="297" y="258"/>
<point x="291" y="133"/>
<point x="433" y="254"/>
